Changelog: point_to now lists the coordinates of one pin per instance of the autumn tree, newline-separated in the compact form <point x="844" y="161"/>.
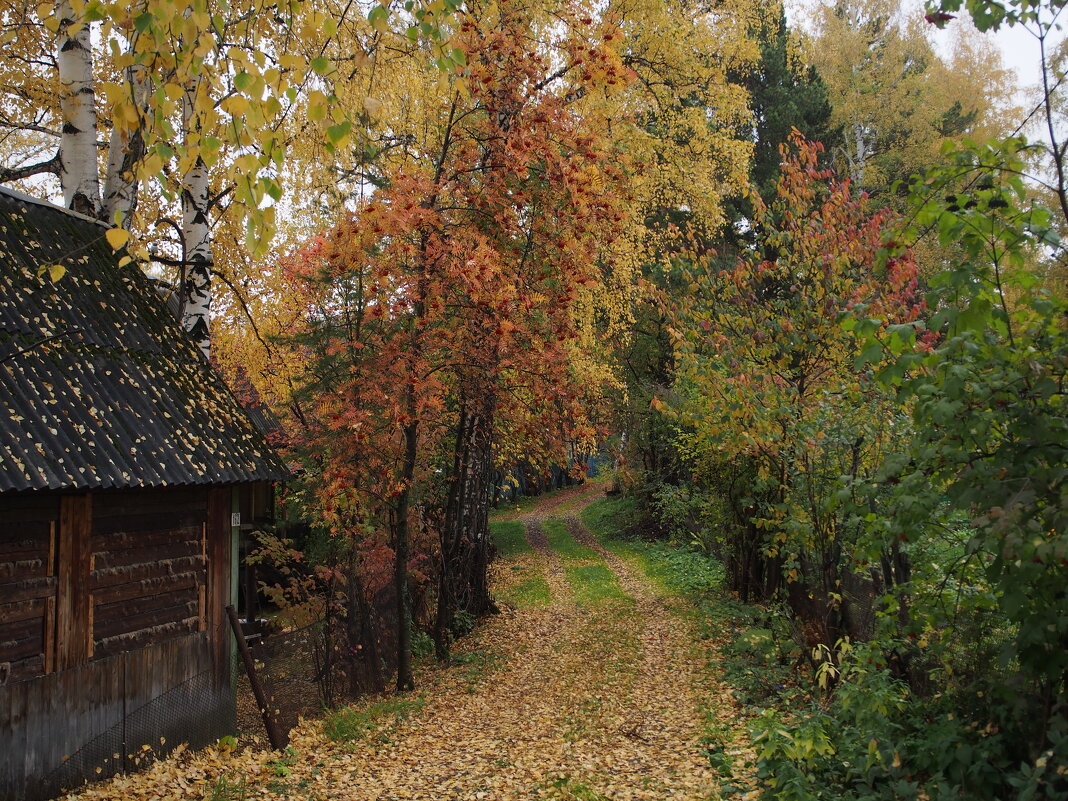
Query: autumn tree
<point x="770" y="387"/>
<point x="191" y="105"/>
<point x="462" y="282"/>
<point x="894" y="98"/>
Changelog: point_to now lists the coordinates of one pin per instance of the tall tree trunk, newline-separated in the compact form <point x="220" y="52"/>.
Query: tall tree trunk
<point x="77" y="148"/>
<point x="465" y="531"/>
<point x="402" y="538"/>
<point x="196" y="236"/>
<point x="363" y="670"/>
<point x="125" y="151"/>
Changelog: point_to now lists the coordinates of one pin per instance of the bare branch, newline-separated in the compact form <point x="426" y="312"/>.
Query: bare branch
<point x="8" y="174"/>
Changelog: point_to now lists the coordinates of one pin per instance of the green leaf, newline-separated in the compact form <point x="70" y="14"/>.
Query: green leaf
<point x="143" y="22"/>
<point x="321" y="64"/>
<point x="272" y="188"/>
<point x="379" y="18"/>
<point x="335" y="133"/>
<point x="871" y="354"/>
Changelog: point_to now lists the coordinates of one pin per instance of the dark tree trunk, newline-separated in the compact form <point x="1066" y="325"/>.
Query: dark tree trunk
<point x="402" y="537"/>
<point x="465" y="539"/>
<point x="364" y="666"/>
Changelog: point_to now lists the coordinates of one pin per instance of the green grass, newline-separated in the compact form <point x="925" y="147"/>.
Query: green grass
<point x="510" y="537"/>
<point x="595" y="585"/>
<point x="531" y="590"/>
<point x="527" y="587"/>
<point x="682" y="570"/>
<point x="355" y="723"/>
<point x="561" y="541"/>
<point x="756" y="649"/>
<point x="610" y="517"/>
<point x="226" y="788"/>
<point x="592" y="582"/>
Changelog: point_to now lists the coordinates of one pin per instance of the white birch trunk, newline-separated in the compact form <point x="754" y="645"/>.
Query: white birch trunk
<point x="77" y="149"/>
<point x="196" y="235"/>
<point x="125" y="151"/>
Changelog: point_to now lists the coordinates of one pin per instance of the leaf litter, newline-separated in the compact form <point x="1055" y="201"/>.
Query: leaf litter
<point x="562" y="700"/>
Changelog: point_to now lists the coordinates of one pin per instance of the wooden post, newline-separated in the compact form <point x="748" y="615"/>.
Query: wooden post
<point x="73" y="624"/>
<point x="274" y="733"/>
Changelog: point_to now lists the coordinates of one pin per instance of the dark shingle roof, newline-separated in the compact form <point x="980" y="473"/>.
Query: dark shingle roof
<point x="99" y="385"/>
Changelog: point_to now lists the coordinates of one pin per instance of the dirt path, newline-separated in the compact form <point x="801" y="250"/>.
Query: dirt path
<point x="589" y="696"/>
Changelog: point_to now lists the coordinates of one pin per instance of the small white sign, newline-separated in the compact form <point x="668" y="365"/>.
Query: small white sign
<point x="235" y="518"/>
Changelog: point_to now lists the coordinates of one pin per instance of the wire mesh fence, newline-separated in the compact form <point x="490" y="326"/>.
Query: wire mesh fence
<point x="307" y="669"/>
<point x="196" y="712"/>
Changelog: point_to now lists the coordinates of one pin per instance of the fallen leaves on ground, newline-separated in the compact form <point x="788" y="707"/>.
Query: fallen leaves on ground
<point x="559" y="701"/>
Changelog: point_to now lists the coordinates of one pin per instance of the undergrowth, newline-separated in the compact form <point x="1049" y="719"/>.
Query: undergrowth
<point x="379" y="718"/>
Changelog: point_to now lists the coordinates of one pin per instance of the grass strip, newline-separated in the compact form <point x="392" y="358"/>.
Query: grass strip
<point x="592" y="581"/>
<point x="357" y="722"/>
<point x="568" y="549"/>
<point x="509" y="537"/>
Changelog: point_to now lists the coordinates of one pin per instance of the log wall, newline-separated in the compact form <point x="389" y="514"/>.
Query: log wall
<point x="112" y="631"/>
<point x="27" y="586"/>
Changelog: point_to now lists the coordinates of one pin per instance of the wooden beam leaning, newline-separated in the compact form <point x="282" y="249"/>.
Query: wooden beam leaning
<point x="274" y="732"/>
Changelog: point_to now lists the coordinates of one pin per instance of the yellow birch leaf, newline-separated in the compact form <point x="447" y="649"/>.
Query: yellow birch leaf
<point x="117" y="237"/>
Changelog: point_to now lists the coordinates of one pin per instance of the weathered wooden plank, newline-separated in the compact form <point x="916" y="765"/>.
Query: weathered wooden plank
<point x="17" y="517"/>
<point x="13" y="734"/>
<point x="50" y="634"/>
<point x="132" y="502"/>
<point x="124" y="540"/>
<point x="21" y="639"/>
<point x="149" y="586"/>
<point x="125" y="574"/>
<point x="21" y="610"/>
<point x="172" y="517"/>
<point x="52" y="548"/>
<point x="24" y="544"/>
<point x="14" y="591"/>
<point x="146" y="692"/>
<point x="72" y="594"/>
<point x="23" y="569"/>
<point x="24" y="669"/>
<point x="139" y="639"/>
<point x="150" y="620"/>
<point x="218" y="547"/>
<point x="147" y="603"/>
<point x="160" y="552"/>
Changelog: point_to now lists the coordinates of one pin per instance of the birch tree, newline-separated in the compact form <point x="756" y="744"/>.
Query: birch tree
<point x="894" y="96"/>
<point x="181" y="101"/>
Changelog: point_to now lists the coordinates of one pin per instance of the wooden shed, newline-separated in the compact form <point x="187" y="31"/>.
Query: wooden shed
<point x="125" y="462"/>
